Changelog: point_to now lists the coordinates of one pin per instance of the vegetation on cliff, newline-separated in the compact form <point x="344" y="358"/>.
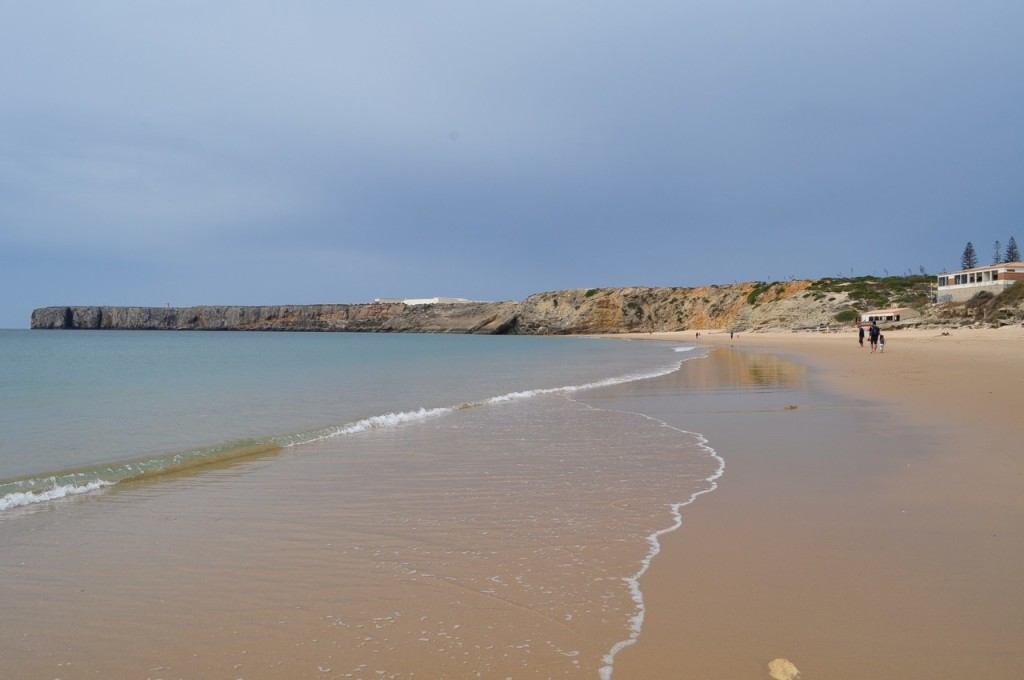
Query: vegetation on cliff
<point x="872" y="292"/>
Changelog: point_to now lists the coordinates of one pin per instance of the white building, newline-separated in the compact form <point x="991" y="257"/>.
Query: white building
<point x="422" y="301"/>
<point x="963" y="285"/>
<point x="433" y="301"/>
<point x="892" y="314"/>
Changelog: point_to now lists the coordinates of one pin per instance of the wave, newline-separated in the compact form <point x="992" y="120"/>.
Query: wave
<point x="20" y="498"/>
<point x="36" y="489"/>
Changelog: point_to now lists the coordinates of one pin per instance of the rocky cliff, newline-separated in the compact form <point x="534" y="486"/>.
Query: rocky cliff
<point x="790" y="305"/>
<point x="475" y="317"/>
<point x="596" y="310"/>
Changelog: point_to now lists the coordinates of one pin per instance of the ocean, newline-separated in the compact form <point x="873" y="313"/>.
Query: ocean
<point x="270" y="505"/>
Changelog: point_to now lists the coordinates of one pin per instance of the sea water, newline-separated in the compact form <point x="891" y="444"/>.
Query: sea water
<point x="84" y="409"/>
<point x="372" y="505"/>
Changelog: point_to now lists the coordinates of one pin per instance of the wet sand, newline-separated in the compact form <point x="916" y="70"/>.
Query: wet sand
<point x="874" y="531"/>
<point x="492" y="543"/>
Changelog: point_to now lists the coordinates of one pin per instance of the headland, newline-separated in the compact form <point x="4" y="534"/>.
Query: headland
<point x="823" y="304"/>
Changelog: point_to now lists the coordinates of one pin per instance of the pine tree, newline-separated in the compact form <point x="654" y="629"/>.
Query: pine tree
<point x="997" y="257"/>
<point x="1012" y="254"/>
<point x="969" y="259"/>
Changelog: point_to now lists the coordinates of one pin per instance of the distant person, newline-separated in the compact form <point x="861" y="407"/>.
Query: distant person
<point x="860" y="334"/>
<point x="881" y="342"/>
<point x="873" y="332"/>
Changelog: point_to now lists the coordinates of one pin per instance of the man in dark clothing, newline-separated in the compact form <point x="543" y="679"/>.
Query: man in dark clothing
<point x="860" y="334"/>
<point x="873" y="335"/>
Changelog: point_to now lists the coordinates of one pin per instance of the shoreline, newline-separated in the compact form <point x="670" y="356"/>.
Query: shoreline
<point x="890" y="550"/>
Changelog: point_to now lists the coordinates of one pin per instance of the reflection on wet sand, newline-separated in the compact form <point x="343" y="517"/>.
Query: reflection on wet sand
<point x="742" y="371"/>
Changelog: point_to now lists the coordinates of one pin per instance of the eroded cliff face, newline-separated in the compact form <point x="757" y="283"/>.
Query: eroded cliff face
<point x="745" y="306"/>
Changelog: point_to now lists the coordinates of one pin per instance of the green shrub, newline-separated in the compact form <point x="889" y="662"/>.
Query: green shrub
<point x="846" y="315"/>
<point x="754" y="294"/>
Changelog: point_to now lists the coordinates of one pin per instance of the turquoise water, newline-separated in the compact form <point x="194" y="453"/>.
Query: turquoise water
<point x="84" y="409"/>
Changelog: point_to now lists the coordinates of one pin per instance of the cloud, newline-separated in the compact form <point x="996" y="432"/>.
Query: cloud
<point x="659" y="142"/>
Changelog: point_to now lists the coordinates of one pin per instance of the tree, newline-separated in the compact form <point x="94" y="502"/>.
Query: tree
<point x="1012" y="254"/>
<point x="998" y="256"/>
<point x="969" y="259"/>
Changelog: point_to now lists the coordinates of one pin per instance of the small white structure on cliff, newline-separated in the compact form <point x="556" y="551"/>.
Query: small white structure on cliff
<point x="423" y="301"/>
<point x="963" y="285"/>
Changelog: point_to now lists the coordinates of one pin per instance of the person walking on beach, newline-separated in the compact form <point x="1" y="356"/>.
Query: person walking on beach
<point x="881" y="342"/>
<point x="873" y="334"/>
<point x="860" y="334"/>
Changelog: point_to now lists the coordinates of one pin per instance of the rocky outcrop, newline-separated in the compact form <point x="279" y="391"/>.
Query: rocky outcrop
<point x="756" y="306"/>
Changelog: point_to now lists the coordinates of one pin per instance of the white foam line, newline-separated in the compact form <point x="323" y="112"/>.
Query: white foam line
<point x="569" y="389"/>
<point x="371" y="423"/>
<point x="636" y="621"/>
<point x="422" y="414"/>
<point x="22" y="498"/>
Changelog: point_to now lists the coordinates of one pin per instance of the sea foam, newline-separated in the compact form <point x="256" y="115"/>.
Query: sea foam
<point x="636" y="621"/>
<point x="22" y="498"/>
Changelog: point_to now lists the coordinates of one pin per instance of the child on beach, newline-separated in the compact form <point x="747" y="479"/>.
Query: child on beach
<point x="881" y="342"/>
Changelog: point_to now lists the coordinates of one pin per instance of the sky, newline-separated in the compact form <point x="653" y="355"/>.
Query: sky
<point x="255" y="152"/>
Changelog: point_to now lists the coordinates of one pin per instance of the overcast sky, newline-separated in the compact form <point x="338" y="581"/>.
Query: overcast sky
<point x="259" y="152"/>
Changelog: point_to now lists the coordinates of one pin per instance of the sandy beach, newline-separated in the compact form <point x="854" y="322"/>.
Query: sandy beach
<point x="871" y="529"/>
<point x="867" y="525"/>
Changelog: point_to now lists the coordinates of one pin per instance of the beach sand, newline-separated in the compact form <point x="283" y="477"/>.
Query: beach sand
<point x="884" y="540"/>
